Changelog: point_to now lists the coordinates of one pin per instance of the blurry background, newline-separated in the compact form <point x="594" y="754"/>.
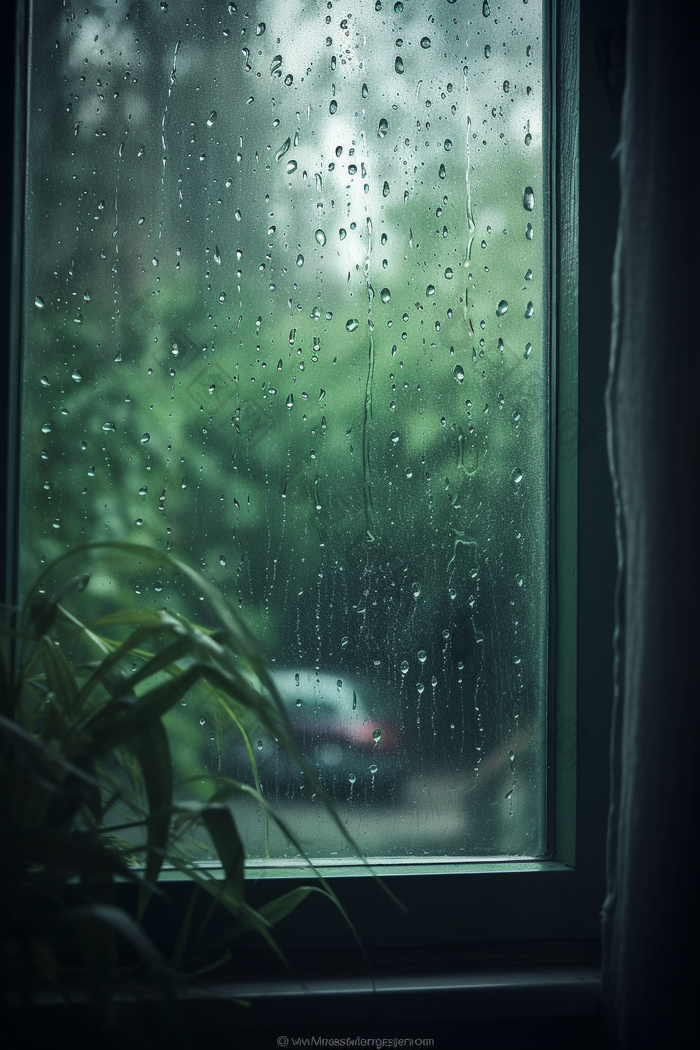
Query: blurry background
<point x="286" y="317"/>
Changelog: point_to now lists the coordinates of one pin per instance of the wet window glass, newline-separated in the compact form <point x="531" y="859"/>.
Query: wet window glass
<point x="286" y="317"/>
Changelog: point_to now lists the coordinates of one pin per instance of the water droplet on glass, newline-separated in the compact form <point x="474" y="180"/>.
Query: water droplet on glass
<point x="46" y="429"/>
<point x="487" y="51"/>
<point x="398" y="7"/>
<point x="385" y="190"/>
<point x="404" y="667"/>
<point x="447" y="145"/>
<point x="529" y="199"/>
<point x="502" y="308"/>
<point x="517" y="475"/>
<point x="211" y="118"/>
<point x="352" y="325"/>
<point x="529" y="232"/>
<point x="398" y="64"/>
<point x="385" y="295"/>
<point x="260" y="29"/>
<point x="300" y="259"/>
<point x="430" y="290"/>
<point x="222" y="561"/>
<point x="352" y="778"/>
<point x="45" y="381"/>
<point x="145" y="438"/>
<point x="528" y="275"/>
<point x="441" y="172"/>
<point x="422" y="656"/>
<point x="39" y="302"/>
<point x="154" y="261"/>
<point x="485" y="9"/>
<point x="143" y="490"/>
<point x="320" y="237"/>
<point x="528" y="350"/>
<point x="383" y="128"/>
<point x="291" y="166"/>
<point x="76" y="375"/>
<point x="290" y="401"/>
<point x="415" y="590"/>
<point x="506" y="86"/>
<point x="529" y="310"/>
<point x="394" y="437"/>
<point x="109" y="428"/>
<point x="377" y="736"/>
<point x="333" y="107"/>
<point x="373" y="769"/>
<point x="449" y="273"/>
<point x="458" y="373"/>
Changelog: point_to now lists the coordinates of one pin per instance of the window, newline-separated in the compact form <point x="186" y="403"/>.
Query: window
<point x="153" y="262"/>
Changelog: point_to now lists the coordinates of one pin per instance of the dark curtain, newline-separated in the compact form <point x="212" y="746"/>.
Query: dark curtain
<point x="650" y="915"/>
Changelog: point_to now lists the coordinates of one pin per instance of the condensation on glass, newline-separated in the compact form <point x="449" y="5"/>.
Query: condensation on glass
<point x="286" y="317"/>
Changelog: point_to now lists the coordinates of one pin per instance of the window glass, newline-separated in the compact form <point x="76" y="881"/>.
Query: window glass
<point x="286" y="317"/>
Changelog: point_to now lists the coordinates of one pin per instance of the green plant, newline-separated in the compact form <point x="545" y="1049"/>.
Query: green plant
<point x="86" y="783"/>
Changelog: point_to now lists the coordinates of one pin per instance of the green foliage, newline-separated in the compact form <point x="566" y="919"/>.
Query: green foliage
<point x="86" y="782"/>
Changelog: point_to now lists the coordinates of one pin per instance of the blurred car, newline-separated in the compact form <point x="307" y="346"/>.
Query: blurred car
<point x="354" y="753"/>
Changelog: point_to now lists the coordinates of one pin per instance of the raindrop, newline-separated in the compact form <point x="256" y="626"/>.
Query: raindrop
<point x="333" y="107"/>
<point x="385" y="189"/>
<point x="529" y="232"/>
<point x="506" y="86"/>
<point x="145" y="438"/>
<point x="352" y="778"/>
<point x="487" y="51"/>
<point x="276" y="64"/>
<point x="290" y="401"/>
<point x="422" y="656"/>
<point x="529" y="199"/>
<point x="39" y="302"/>
<point x="528" y="350"/>
<point x="46" y="429"/>
<point x="485" y="9"/>
<point x="517" y="475"/>
<point x="441" y="172"/>
<point x="373" y="769"/>
<point x="528" y="139"/>
<point x="383" y="127"/>
<point x="352" y="325"/>
<point x="404" y="667"/>
<point x="222" y="561"/>
<point x="222" y="297"/>
<point x="385" y="295"/>
<point x="528" y="275"/>
<point x="449" y="273"/>
<point x="415" y="590"/>
<point x="143" y="490"/>
<point x="365" y="91"/>
<point x="502" y="308"/>
<point x="398" y="64"/>
<point x="398" y="7"/>
<point x="211" y="118"/>
<point x="394" y="437"/>
<point x="86" y="296"/>
<point x="109" y="427"/>
<point x="425" y="43"/>
<point x="289" y="80"/>
<point x="377" y="736"/>
<point x="45" y="381"/>
<point x="430" y="290"/>
<point x="300" y="259"/>
<point x="529" y="310"/>
<point x="291" y="167"/>
<point x="154" y="261"/>
<point x="76" y="375"/>
<point x="284" y="148"/>
<point x="320" y="237"/>
<point x="448" y="145"/>
<point x="458" y="373"/>
<point x="260" y="29"/>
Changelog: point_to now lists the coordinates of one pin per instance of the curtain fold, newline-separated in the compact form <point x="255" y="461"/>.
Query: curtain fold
<point x="653" y="403"/>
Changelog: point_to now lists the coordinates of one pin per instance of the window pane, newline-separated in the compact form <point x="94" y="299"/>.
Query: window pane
<point x="286" y="317"/>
